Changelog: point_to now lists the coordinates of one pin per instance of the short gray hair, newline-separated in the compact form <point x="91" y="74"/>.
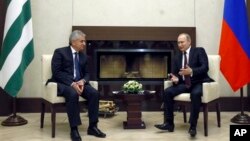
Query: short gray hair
<point x="75" y="35"/>
<point x="187" y="36"/>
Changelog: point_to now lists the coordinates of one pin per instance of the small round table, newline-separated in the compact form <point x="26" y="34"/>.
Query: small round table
<point x="133" y="107"/>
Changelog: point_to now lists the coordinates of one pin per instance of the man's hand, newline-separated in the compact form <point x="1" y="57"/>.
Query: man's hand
<point x="174" y="78"/>
<point x="80" y="84"/>
<point x="186" y="71"/>
<point x="77" y="87"/>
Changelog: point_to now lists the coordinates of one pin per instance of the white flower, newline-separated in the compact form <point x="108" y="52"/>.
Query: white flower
<point x="132" y="86"/>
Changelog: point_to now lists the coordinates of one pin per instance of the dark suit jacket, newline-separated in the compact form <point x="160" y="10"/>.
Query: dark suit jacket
<point x="63" y="70"/>
<point x="198" y="61"/>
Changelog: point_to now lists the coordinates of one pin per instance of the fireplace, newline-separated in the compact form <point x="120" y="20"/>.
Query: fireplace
<point x="122" y="53"/>
<point x="138" y="63"/>
<point x="118" y="54"/>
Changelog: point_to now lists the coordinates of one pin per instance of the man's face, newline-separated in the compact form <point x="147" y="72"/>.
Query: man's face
<point x="79" y="44"/>
<point x="183" y="43"/>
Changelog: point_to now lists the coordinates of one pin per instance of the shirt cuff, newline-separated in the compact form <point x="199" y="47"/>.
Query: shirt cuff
<point x="72" y="84"/>
<point x="191" y="73"/>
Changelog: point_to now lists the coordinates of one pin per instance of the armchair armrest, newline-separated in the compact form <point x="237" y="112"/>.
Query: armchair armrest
<point x="94" y="84"/>
<point x="50" y="93"/>
<point x="210" y="91"/>
<point x="167" y="84"/>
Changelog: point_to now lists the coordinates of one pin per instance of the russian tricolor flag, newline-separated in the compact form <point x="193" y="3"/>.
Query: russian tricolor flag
<point x="235" y="44"/>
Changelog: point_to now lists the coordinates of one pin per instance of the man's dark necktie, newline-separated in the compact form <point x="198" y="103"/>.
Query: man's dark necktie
<point x="77" y="68"/>
<point x="186" y="77"/>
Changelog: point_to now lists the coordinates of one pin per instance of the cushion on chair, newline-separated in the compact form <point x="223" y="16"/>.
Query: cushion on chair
<point x="50" y="92"/>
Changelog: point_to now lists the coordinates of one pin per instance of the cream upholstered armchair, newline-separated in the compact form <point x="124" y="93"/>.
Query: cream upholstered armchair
<point x="210" y="92"/>
<point x="49" y="92"/>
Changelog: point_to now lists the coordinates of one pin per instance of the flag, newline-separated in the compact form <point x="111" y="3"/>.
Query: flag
<point x="17" y="48"/>
<point x="235" y="44"/>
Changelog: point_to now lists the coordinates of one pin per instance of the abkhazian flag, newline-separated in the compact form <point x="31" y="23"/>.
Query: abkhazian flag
<point x="235" y="44"/>
<point x="17" y="48"/>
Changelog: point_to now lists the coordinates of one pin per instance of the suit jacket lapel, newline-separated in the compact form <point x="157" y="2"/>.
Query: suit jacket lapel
<point x="190" y="58"/>
<point x="69" y="53"/>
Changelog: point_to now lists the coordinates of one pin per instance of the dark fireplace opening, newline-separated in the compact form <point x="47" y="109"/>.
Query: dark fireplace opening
<point x="138" y="64"/>
<point x="124" y="60"/>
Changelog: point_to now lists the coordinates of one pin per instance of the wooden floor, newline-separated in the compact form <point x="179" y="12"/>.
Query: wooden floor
<point x="112" y="126"/>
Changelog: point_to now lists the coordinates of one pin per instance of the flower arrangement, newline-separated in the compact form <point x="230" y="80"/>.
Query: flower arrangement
<point x="132" y="87"/>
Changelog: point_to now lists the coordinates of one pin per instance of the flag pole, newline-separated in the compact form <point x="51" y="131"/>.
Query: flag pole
<point x="14" y="120"/>
<point x="241" y="118"/>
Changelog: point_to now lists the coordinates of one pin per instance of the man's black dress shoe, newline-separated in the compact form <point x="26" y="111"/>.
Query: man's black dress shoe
<point x="96" y="132"/>
<point x="75" y="136"/>
<point x="192" y="132"/>
<point x="165" y="126"/>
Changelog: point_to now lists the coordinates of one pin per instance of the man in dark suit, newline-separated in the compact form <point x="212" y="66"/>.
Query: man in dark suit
<point x="69" y="69"/>
<point x="187" y="76"/>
